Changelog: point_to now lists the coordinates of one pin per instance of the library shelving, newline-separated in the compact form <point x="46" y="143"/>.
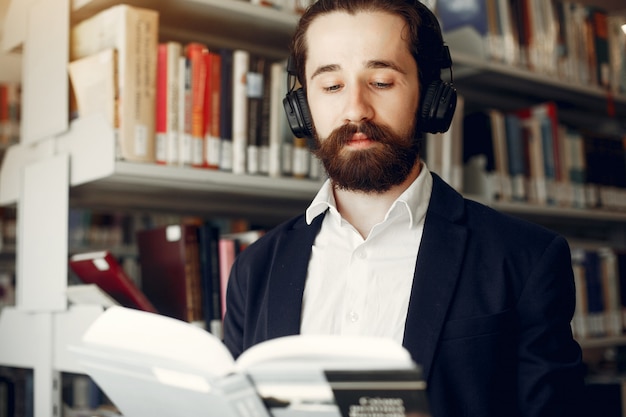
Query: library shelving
<point x="59" y="163"/>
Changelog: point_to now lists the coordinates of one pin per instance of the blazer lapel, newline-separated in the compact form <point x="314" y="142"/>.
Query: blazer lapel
<point x="289" y="271"/>
<point x="436" y="273"/>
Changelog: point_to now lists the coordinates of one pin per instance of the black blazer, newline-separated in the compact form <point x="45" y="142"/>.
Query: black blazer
<point x="489" y="314"/>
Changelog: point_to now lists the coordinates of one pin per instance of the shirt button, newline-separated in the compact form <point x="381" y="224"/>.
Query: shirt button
<point x="353" y="317"/>
<point x="360" y="254"/>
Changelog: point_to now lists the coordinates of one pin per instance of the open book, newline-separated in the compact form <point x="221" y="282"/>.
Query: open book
<point x="153" y="365"/>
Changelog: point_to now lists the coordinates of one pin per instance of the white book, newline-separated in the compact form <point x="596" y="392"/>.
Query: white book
<point x="94" y="83"/>
<point x="241" y="63"/>
<point x="278" y="130"/>
<point x="133" y="32"/>
<point x="154" y="365"/>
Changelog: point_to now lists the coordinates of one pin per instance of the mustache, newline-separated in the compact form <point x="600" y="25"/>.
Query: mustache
<point x="375" y="132"/>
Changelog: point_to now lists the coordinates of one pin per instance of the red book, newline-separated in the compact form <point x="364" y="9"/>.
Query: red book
<point x="212" y="111"/>
<point x="170" y="270"/>
<point x="101" y="268"/>
<point x="161" y="105"/>
<point x="196" y="53"/>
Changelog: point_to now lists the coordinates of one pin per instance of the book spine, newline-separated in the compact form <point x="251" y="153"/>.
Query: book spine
<point x="599" y="19"/>
<point x="137" y="106"/>
<point x="255" y="90"/>
<point x="210" y="157"/>
<point x="264" y="127"/>
<point x="277" y="116"/>
<point x="132" y="31"/>
<point x="196" y="52"/>
<point x="227" y="252"/>
<point x="161" y="106"/>
<point x="226" y="114"/>
<point x="174" y="52"/>
<point x="167" y="102"/>
<point x="213" y="138"/>
<point x="193" y="278"/>
<point x="241" y="63"/>
<point x="184" y="112"/>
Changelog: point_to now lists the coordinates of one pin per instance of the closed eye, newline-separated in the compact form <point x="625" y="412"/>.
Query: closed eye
<point x="332" y="88"/>
<point x="381" y="85"/>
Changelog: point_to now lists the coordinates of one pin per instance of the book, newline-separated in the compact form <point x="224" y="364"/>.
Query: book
<point x="196" y="53"/>
<point x="167" y="102"/>
<point x="478" y="126"/>
<point x="444" y="151"/>
<point x="226" y="117"/>
<point x="280" y="144"/>
<point x="546" y="114"/>
<point x="95" y="86"/>
<point x="617" y="54"/>
<point x="600" y="34"/>
<point x="184" y="111"/>
<point x="170" y="270"/>
<point x="229" y="246"/>
<point x="102" y="269"/>
<point x="212" y="142"/>
<point x="240" y="69"/>
<point x="149" y="364"/>
<point x="255" y="93"/>
<point x="510" y="46"/>
<point x="264" y="128"/>
<point x="580" y="325"/>
<point x="133" y="32"/>
<point x="208" y="242"/>
<point x="466" y="26"/>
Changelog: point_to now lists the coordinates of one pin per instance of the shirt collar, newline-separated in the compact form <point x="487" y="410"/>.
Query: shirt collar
<point x="414" y="199"/>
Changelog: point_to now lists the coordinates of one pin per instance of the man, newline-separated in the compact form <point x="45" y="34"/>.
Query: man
<point x="482" y="301"/>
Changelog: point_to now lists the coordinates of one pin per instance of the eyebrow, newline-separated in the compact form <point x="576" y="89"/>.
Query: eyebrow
<point x="372" y="64"/>
<point x="325" y="68"/>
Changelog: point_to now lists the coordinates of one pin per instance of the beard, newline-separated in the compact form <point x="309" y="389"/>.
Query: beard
<point x="372" y="170"/>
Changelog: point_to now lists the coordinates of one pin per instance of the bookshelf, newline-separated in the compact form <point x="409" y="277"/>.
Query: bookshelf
<point x="496" y="84"/>
<point x="37" y="332"/>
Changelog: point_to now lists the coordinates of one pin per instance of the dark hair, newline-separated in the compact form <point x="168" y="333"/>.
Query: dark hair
<point x="425" y="41"/>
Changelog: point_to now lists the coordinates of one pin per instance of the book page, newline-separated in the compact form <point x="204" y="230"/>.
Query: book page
<point x="158" y="338"/>
<point x="326" y="352"/>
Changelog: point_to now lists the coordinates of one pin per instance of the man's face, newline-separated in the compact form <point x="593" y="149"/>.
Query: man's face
<point x="363" y="92"/>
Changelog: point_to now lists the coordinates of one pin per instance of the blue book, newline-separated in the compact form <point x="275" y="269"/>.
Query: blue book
<point x="515" y="148"/>
<point x="454" y="14"/>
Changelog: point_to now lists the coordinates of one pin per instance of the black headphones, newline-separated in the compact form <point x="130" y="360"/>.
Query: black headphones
<point x="438" y="103"/>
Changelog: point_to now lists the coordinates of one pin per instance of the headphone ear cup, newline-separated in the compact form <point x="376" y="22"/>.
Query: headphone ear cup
<point x="298" y="114"/>
<point x="438" y="107"/>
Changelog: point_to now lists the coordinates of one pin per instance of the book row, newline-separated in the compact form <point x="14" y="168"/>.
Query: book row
<point x="570" y="40"/>
<point x="79" y="394"/>
<point x="528" y="156"/>
<point x="600" y="279"/>
<point x="90" y="229"/>
<point x="185" y="104"/>
<point x="183" y="271"/>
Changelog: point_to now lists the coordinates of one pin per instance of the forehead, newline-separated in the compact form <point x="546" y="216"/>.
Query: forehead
<point x="339" y="37"/>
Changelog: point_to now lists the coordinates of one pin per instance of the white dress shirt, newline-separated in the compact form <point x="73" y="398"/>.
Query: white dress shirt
<point x="359" y="286"/>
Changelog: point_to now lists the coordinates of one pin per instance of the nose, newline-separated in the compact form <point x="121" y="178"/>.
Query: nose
<point x="358" y="105"/>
